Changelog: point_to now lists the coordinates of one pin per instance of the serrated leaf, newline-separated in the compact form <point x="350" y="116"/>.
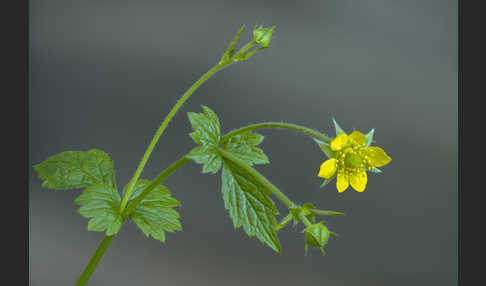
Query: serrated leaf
<point x="326" y="148"/>
<point x="207" y="133"/>
<point x="369" y="137"/>
<point x="154" y="215"/>
<point x="206" y="126"/>
<point x="243" y="146"/>
<point x="76" y="169"/>
<point x="100" y="203"/>
<point x="338" y="128"/>
<point x="249" y="205"/>
<point x="208" y="156"/>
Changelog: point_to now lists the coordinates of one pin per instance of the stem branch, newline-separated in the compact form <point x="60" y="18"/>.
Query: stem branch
<point x="161" y="129"/>
<point x="308" y="131"/>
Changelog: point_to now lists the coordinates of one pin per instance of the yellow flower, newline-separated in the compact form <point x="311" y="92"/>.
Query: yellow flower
<point x="351" y="158"/>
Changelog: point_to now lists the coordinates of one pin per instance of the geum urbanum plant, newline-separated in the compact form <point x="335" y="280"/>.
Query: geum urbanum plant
<point x="246" y="192"/>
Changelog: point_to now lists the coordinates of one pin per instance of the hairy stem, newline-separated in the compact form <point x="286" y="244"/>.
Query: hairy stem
<point x="308" y="131"/>
<point x="259" y="177"/>
<point x="94" y="260"/>
<point x="106" y="241"/>
<point x="161" y="129"/>
<point x="169" y="170"/>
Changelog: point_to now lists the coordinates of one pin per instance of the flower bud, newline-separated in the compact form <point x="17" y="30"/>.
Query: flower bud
<point x="263" y="36"/>
<point x="316" y="235"/>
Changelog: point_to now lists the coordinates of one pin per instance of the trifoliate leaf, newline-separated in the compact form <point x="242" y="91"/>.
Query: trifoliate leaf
<point x="101" y="204"/>
<point x="206" y="126"/>
<point x="208" y="156"/>
<point x="369" y="137"/>
<point x="154" y="215"/>
<point x="326" y="148"/>
<point x="339" y="130"/>
<point x="243" y="146"/>
<point x="249" y="204"/>
<point x="76" y="169"/>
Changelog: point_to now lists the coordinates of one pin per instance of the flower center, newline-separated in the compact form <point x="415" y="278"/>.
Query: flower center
<point x="353" y="160"/>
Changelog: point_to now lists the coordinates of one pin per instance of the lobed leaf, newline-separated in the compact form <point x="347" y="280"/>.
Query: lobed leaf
<point x="76" y="169"/>
<point x="154" y="215"/>
<point x="249" y="205"/>
<point x="207" y="133"/>
<point x="244" y="147"/>
<point x="206" y="126"/>
<point x="100" y="204"/>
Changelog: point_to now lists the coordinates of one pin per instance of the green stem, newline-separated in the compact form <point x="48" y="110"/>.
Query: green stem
<point x="106" y="241"/>
<point x="161" y="129"/>
<point x="305" y="220"/>
<point x="323" y="212"/>
<point x="259" y="177"/>
<point x="94" y="261"/>
<point x="169" y="170"/>
<point x="308" y="131"/>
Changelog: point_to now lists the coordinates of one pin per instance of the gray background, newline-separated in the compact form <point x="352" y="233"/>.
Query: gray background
<point x="103" y="74"/>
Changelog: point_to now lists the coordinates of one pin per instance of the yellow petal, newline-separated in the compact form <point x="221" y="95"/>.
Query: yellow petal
<point x="342" y="183"/>
<point x="377" y="156"/>
<point x="328" y="169"/>
<point x="339" y="142"/>
<point x="358" y="137"/>
<point x="359" y="180"/>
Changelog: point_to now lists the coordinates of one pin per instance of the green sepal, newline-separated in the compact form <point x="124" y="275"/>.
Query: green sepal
<point x="327" y="181"/>
<point x="375" y="170"/>
<point x="338" y="128"/>
<point x="249" y="204"/>
<point x="76" y="169"/>
<point x="263" y="36"/>
<point x="326" y="148"/>
<point x="154" y="215"/>
<point x="369" y="137"/>
<point x="100" y="204"/>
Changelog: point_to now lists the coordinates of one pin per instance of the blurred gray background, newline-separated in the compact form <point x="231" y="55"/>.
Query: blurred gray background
<point x="103" y="74"/>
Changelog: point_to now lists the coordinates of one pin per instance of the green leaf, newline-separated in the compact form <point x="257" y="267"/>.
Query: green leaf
<point x="208" y="156"/>
<point x="100" y="203"/>
<point x="326" y="148"/>
<point x="249" y="205"/>
<point x="154" y="215"/>
<point x="338" y="128"/>
<point x="207" y="133"/>
<point x="76" y="169"/>
<point x="243" y="146"/>
<point x="369" y="137"/>
<point x="207" y="129"/>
